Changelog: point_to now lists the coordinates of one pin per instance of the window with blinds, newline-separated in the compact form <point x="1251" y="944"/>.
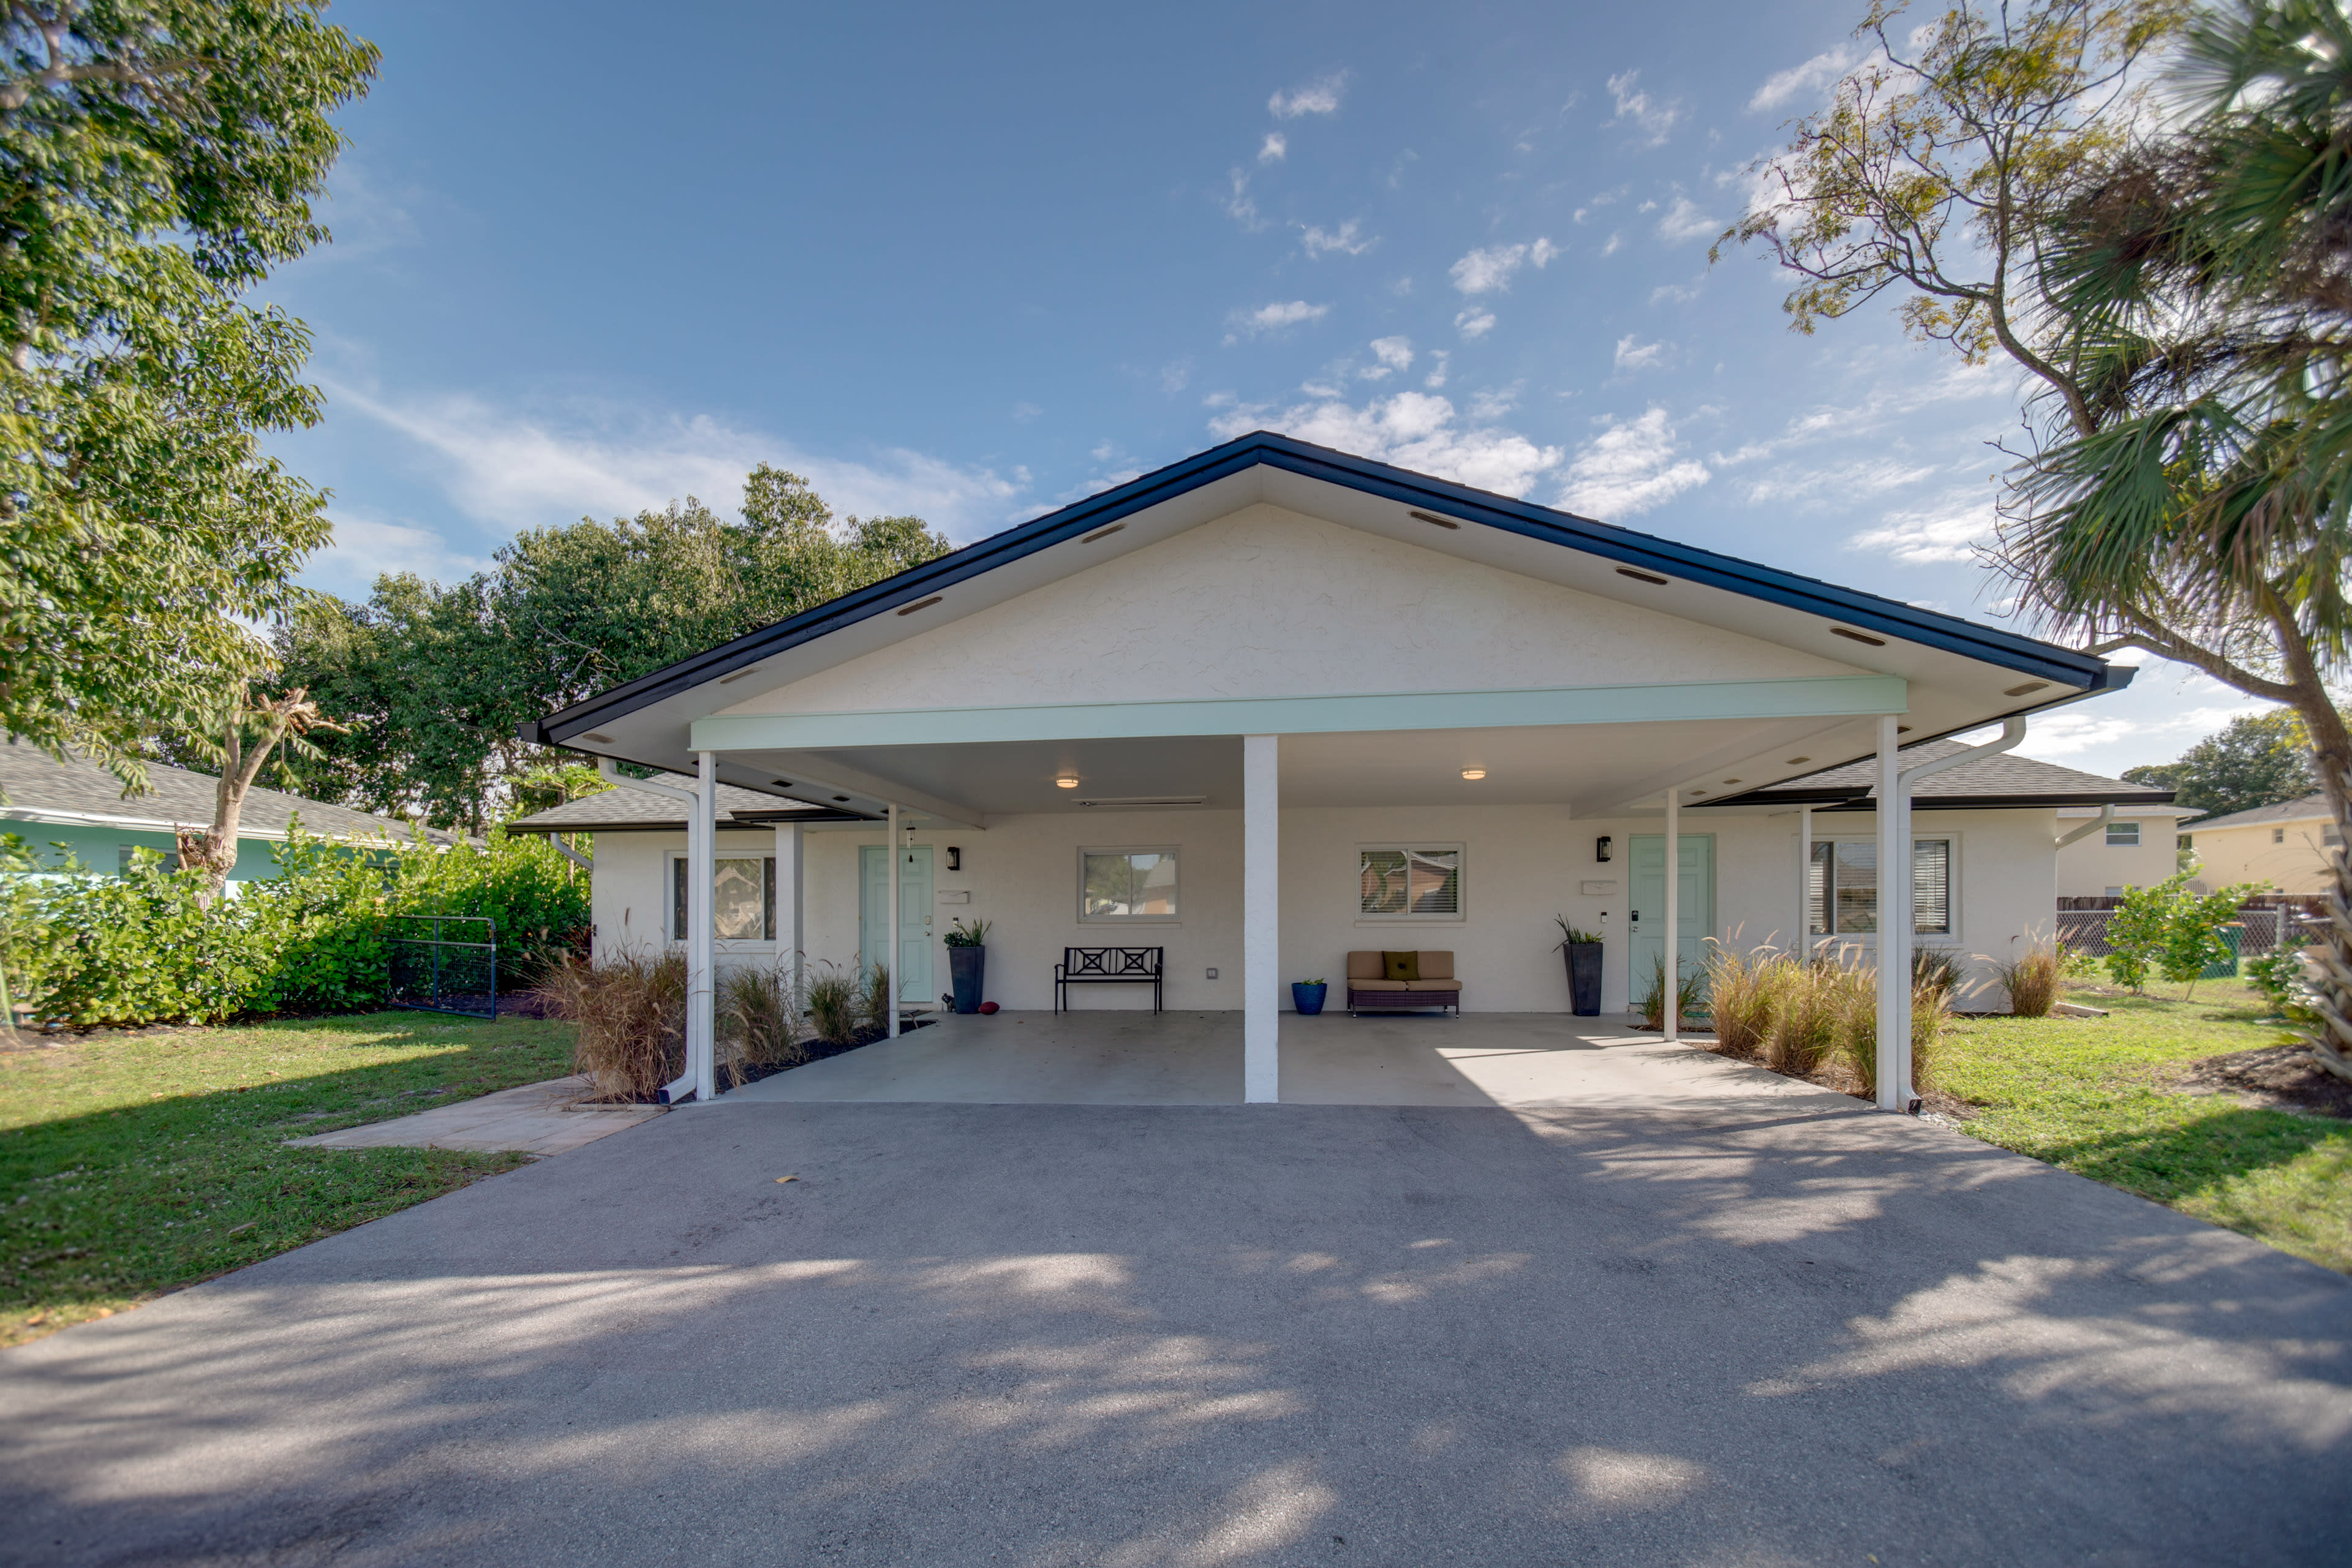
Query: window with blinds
<point x="1401" y="882"/>
<point x="742" y="899"/>
<point x="1841" y="887"/>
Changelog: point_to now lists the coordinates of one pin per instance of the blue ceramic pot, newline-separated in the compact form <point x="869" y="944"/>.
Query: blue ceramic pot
<point x="1308" y="999"/>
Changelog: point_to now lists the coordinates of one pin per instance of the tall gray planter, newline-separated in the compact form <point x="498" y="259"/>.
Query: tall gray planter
<point x="967" y="969"/>
<point x="1583" y="977"/>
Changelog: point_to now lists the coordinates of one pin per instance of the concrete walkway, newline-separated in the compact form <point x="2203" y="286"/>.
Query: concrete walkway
<point x="537" y="1118"/>
<point x="1117" y="1058"/>
<point x="1726" y="1331"/>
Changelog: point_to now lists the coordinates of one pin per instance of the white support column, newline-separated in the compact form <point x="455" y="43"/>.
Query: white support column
<point x="701" y="951"/>
<point x="790" y="959"/>
<point x="1893" y="934"/>
<point x="1804" y="943"/>
<point x="1261" y="918"/>
<point x="1673" y="944"/>
<point x="890" y="943"/>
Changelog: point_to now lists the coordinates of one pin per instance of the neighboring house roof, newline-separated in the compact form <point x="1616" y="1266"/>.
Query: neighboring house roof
<point x="1875" y="618"/>
<point x="642" y="811"/>
<point x="2004" y="779"/>
<point x="40" y="788"/>
<point x="2310" y="808"/>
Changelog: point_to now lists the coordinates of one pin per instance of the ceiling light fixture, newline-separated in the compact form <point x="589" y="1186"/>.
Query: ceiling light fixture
<point x="1067" y="780"/>
<point x="1474" y="773"/>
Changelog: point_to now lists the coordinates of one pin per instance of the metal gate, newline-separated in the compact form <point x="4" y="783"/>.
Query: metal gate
<point x="435" y="971"/>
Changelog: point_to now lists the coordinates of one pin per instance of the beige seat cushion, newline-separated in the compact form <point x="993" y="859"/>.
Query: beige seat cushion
<point x="1375" y="983"/>
<point x="1436" y="965"/>
<point x="1447" y="986"/>
<point x="1364" y="966"/>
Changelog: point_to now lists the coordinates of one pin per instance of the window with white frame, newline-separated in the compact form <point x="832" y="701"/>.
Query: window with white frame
<point x="1841" y="887"/>
<point x="1408" y="882"/>
<point x="2278" y="835"/>
<point x="1122" y="886"/>
<point x="742" y="898"/>
<point x="2123" y="835"/>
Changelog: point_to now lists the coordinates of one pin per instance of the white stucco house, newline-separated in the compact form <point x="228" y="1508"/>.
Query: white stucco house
<point x="1276" y="703"/>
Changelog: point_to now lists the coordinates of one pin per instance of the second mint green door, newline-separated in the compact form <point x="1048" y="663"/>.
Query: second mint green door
<point x="1695" y="915"/>
<point x="913" y="960"/>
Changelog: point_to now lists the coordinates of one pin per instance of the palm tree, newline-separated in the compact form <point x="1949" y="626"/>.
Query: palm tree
<point x="2204" y="509"/>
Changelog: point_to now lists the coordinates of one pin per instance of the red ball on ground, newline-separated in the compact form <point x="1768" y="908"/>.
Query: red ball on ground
<point x="988" y="1006"/>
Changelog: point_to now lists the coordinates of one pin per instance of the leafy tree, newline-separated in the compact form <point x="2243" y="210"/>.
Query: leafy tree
<point x="157" y="158"/>
<point x="2261" y="759"/>
<point x="434" y="681"/>
<point x="250" y="727"/>
<point x="2176" y="294"/>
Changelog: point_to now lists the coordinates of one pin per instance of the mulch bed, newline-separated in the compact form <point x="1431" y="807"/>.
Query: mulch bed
<point x="818" y="1050"/>
<point x="2275" y="1077"/>
<point x="1933" y="1102"/>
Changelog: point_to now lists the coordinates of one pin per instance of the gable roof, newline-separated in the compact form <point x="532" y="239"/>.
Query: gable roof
<point x="1870" y="614"/>
<point x="2003" y="779"/>
<point x="40" y="788"/>
<point x="642" y="811"/>
<point x="2305" y="810"/>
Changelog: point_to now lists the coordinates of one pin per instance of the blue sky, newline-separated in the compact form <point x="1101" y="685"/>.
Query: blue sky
<point x="975" y="262"/>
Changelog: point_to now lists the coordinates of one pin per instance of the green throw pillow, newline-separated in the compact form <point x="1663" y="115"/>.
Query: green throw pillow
<point x="1402" y="965"/>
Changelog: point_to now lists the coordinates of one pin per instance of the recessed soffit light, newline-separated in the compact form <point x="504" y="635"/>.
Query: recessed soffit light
<point x="1474" y="773"/>
<point x="1067" y="780"/>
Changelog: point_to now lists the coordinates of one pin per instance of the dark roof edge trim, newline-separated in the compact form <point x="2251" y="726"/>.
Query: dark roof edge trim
<point x="1809" y="596"/>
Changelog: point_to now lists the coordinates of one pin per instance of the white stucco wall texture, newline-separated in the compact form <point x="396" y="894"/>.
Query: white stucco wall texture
<point x="2089" y="867"/>
<point x="1522" y="865"/>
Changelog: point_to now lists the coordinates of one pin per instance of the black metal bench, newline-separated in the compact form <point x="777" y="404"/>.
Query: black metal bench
<point x="1107" y="966"/>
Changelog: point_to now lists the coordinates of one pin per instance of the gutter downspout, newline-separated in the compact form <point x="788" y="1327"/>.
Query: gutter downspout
<point x="677" y="1089"/>
<point x="2107" y="816"/>
<point x="1896" y="944"/>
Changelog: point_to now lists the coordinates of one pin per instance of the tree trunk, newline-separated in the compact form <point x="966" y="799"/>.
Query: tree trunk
<point x="213" y="853"/>
<point x="2331" y="750"/>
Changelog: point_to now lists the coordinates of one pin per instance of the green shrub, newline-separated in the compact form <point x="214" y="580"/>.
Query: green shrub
<point x="2279" y="975"/>
<point x="2169" y="931"/>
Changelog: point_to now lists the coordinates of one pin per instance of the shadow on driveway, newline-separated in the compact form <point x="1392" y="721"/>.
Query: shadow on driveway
<point x="1210" y="1335"/>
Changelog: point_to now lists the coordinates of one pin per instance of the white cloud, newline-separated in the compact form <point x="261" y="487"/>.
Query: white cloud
<point x="1631" y="466"/>
<point x="1344" y="239"/>
<point x="1320" y="96"/>
<point x="1802" y="80"/>
<point x="1275" y="148"/>
<point x="1837" y="481"/>
<point x="1436" y="376"/>
<point x="1677" y="293"/>
<point x="1025" y="412"/>
<point x="1495" y="402"/>
<point x="1175" y="375"/>
<point x="1412" y="429"/>
<point x="1475" y="322"/>
<point x="1950" y="532"/>
<point x="1395" y="356"/>
<point x="366" y="548"/>
<point x="1653" y="120"/>
<point x="516" y="469"/>
<point x="1240" y="205"/>
<point x="1273" y="318"/>
<point x="1485" y="271"/>
<point x="1616" y="243"/>
<point x="1634" y="355"/>
<point x="1683" y="221"/>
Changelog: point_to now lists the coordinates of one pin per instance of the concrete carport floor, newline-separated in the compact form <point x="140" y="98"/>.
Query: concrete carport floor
<point x="1741" y="1330"/>
<point x="1120" y="1057"/>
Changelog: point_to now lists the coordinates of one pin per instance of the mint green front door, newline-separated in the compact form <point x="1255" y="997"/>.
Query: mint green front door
<point x="1695" y="915"/>
<point x="913" y="965"/>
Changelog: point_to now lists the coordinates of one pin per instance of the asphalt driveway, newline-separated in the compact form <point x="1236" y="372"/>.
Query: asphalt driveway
<point x="1767" y="1332"/>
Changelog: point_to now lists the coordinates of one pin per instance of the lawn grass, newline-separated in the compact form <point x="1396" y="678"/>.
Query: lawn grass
<point x="135" y="1163"/>
<point x="2087" y="1094"/>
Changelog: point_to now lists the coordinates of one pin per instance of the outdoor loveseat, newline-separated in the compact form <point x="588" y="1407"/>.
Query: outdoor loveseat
<point x="1402" y="982"/>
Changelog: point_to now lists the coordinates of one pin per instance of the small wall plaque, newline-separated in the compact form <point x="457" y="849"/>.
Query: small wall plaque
<point x="957" y="897"/>
<point x="1599" y="889"/>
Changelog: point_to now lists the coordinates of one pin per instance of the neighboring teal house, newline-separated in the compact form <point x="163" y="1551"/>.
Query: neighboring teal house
<point x="81" y="806"/>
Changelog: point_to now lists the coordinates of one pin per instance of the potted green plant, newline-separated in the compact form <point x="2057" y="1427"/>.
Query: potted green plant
<point x="1306" y="995"/>
<point x="967" y="945"/>
<point x="1581" y="951"/>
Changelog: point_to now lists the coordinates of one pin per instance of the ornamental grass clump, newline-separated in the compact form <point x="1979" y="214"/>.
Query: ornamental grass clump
<point x="628" y="1015"/>
<point x="1805" y="1029"/>
<point x="759" y="1015"/>
<point x="1746" y="991"/>
<point x="874" y="996"/>
<point x="2033" y="980"/>
<point x="833" y="1002"/>
<point x="1653" y="1001"/>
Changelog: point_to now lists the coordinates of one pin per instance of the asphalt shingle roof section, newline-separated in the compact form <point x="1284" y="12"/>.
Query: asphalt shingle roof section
<point x="36" y="782"/>
<point x="2303" y="810"/>
<point x="639" y="811"/>
<point x="2002" y="779"/>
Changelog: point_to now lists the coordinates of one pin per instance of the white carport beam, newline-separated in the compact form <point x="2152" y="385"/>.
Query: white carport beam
<point x="701" y="945"/>
<point x="827" y="777"/>
<point x="1670" y="974"/>
<point x="1895" y="915"/>
<point x="2107" y="815"/>
<point x="1261" y="918"/>
<point x="676" y="1089"/>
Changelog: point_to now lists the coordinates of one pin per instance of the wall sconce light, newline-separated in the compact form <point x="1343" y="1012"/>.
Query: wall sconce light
<point x="1600" y="848"/>
<point x="955" y="858"/>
